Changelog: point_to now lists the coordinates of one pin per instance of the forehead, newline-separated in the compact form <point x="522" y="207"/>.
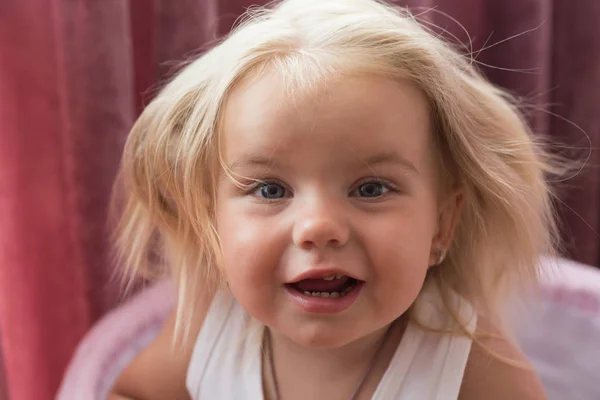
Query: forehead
<point x="343" y="119"/>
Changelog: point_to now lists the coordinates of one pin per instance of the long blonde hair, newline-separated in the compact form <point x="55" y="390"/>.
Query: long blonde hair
<point x="165" y="191"/>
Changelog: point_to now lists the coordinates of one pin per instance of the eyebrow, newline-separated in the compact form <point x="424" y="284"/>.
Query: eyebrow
<point x="252" y="160"/>
<point x="390" y="158"/>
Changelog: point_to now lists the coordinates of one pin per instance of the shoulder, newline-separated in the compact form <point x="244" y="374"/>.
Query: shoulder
<point x="159" y="370"/>
<point x="488" y="376"/>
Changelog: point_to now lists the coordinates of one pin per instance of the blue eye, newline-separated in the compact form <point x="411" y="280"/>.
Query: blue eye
<point x="373" y="189"/>
<point x="271" y="191"/>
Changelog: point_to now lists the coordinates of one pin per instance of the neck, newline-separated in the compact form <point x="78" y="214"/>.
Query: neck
<point x="308" y="372"/>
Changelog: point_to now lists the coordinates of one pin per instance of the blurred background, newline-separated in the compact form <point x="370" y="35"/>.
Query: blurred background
<point x="74" y="74"/>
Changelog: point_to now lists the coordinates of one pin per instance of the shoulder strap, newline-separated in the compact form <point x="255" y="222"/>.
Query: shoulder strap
<point x="226" y="361"/>
<point x="429" y="365"/>
<point x="205" y="346"/>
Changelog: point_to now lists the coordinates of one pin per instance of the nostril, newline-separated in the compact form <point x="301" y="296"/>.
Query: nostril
<point x="309" y="244"/>
<point x="320" y="233"/>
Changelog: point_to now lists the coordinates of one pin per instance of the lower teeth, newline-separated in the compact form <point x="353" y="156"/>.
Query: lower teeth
<point x="333" y="295"/>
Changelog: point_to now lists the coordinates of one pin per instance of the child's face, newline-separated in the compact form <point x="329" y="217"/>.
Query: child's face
<point x="347" y="187"/>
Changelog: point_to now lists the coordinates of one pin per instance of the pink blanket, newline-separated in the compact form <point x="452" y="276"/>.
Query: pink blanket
<point x="114" y="341"/>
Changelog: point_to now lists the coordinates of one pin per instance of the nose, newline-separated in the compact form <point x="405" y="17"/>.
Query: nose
<point x="320" y="226"/>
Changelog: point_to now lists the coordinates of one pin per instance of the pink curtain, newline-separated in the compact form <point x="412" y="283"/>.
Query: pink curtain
<point x="73" y="76"/>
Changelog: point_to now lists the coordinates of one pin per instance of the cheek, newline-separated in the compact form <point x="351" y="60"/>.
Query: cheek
<point x="399" y="249"/>
<point x="248" y="258"/>
<point x="406" y="234"/>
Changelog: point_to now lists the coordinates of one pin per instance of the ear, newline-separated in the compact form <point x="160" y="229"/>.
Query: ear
<point x="448" y="217"/>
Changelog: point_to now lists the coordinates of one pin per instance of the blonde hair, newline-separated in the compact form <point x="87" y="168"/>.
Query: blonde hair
<point x="165" y="193"/>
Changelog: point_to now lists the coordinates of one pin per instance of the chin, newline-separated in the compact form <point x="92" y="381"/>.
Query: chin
<point x="320" y="336"/>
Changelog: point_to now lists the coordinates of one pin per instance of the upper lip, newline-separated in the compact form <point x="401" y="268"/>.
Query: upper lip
<point x="318" y="273"/>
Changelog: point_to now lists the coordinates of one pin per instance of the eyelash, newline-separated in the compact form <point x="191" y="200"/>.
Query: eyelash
<point x="390" y="186"/>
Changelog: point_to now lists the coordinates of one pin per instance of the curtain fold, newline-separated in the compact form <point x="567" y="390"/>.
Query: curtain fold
<point x="66" y="105"/>
<point x="74" y="75"/>
<point x="576" y="123"/>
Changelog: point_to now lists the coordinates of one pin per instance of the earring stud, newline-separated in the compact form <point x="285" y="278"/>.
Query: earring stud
<point x="441" y="255"/>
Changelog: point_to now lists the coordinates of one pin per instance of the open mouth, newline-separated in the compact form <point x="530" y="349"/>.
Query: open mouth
<point x="328" y="287"/>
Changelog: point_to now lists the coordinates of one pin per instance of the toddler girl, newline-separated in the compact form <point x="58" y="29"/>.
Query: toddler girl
<point x="343" y="202"/>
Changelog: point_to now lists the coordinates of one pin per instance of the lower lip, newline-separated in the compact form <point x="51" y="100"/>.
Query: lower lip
<point x="321" y="305"/>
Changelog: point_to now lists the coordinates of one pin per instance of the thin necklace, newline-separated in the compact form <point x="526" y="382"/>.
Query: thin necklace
<point x="360" y="383"/>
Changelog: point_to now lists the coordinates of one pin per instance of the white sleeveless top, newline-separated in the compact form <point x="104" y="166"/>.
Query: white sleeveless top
<point x="226" y="360"/>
